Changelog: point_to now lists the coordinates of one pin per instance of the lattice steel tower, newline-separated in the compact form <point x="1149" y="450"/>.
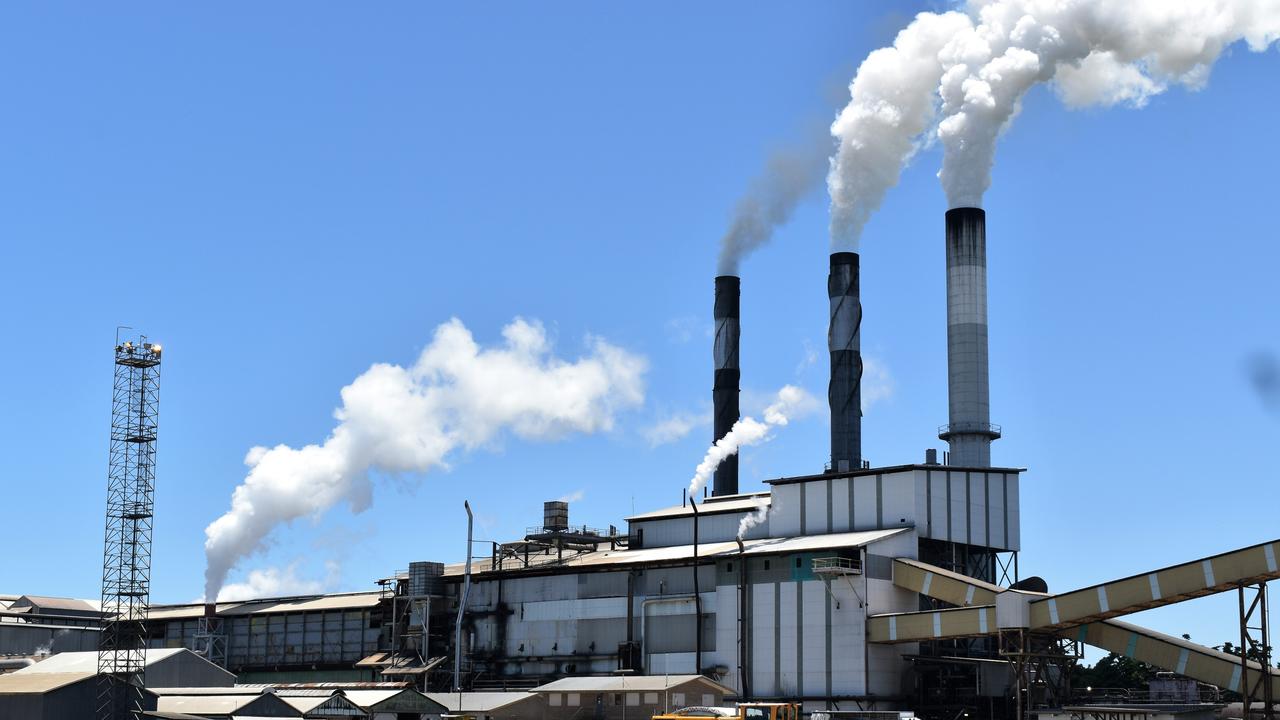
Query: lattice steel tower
<point x="126" y="565"/>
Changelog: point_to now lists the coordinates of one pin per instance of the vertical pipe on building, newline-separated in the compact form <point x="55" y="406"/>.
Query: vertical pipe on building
<point x="844" y="394"/>
<point x="697" y="596"/>
<point x="744" y="673"/>
<point x="724" y="393"/>
<point x="969" y="430"/>
<point x="462" y="606"/>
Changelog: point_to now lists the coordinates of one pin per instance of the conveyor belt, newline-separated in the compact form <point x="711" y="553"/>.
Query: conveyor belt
<point x="952" y="587"/>
<point x="1162" y="587"/>
<point x="1075" y="616"/>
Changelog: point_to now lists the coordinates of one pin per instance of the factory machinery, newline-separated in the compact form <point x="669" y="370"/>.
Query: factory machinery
<point x="852" y="588"/>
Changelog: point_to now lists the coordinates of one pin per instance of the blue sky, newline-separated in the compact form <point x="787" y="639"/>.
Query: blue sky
<point x="286" y="195"/>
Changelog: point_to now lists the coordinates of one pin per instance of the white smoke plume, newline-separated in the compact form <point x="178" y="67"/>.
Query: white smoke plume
<point x="893" y="100"/>
<point x="278" y="582"/>
<point x="1099" y="52"/>
<point x="791" y="403"/>
<point x="789" y="175"/>
<point x="755" y="518"/>
<point x="393" y="419"/>
<point x="976" y="66"/>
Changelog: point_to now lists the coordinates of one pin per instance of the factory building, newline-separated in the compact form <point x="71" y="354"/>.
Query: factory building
<point x="848" y="587"/>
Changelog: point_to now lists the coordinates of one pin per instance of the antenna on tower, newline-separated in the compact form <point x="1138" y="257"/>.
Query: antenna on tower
<point x="126" y="564"/>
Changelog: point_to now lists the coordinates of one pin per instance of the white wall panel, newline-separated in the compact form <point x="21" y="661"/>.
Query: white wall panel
<point x="814" y="632"/>
<point x="959" y="509"/>
<point x="840" y="505"/>
<point x="864" y="502"/>
<point x="788" y="632"/>
<point x="784" y="516"/>
<point x="762" y="639"/>
<point x="815" y="507"/>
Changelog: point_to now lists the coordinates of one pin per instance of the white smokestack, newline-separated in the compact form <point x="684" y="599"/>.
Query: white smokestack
<point x="395" y="419"/>
<point x="791" y="403"/>
<point x="976" y="66"/>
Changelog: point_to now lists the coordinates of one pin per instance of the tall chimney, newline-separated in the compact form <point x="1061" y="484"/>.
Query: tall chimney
<point x="724" y="394"/>
<point x="970" y="431"/>
<point x="844" y="341"/>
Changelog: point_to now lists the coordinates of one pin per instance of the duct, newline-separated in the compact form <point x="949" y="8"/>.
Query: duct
<point x="969" y="430"/>
<point x="844" y="394"/>
<point x="724" y="392"/>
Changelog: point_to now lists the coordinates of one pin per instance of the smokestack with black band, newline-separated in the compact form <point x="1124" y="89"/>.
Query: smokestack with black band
<point x="724" y="394"/>
<point x="970" y="431"/>
<point x="844" y="341"/>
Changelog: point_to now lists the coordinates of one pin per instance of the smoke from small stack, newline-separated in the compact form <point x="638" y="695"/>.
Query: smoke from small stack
<point x="983" y="61"/>
<point x="844" y="394"/>
<point x="789" y="175"/>
<point x="969" y="431"/>
<point x="724" y="393"/>
<point x="791" y="403"/>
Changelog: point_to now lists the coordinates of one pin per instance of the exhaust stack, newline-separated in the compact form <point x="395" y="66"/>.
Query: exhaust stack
<point x="969" y="431"/>
<point x="724" y="393"/>
<point x="844" y="394"/>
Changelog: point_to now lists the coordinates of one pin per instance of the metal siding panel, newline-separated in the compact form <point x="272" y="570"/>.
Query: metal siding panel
<point x="788" y="638"/>
<point x="840" y="518"/>
<point x="864" y="502"/>
<point x="762" y="639"/>
<point x="784" y="516"/>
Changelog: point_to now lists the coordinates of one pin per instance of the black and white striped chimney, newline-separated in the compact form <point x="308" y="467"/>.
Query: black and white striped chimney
<point x="844" y="394"/>
<point x="724" y="394"/>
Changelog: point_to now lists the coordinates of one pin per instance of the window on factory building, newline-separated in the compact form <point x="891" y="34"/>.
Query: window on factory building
<point x="651" y="698"/>
<point x="729" y="567"/>
<point x="677" y="700"/>
<point x="553" y="699"/>
<point x="797" y="563"/>
<point x="633" y="699"/>
<point x="617" y="698"/>
<point x="708" y="700"/>
<point x="573" y="699"/>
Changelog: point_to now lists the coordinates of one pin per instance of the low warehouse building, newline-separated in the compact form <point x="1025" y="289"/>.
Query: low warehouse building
<point x="164" y="668"/>
<point x="224" y="706"/>
<point x="53" y="696"/>
<point x="503" y="705"/>
<point x="620" y="698"/>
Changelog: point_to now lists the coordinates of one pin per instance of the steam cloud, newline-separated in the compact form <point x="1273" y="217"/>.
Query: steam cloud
<point x="409" y="419"/>
<point x="790" y="174"/>
<point x="790" y="403"/>
<point x="749" y="521"/>
<point x="981" y="64"/>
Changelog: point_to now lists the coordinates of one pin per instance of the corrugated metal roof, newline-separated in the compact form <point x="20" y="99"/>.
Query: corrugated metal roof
<point x="636" y="683"/>
<point x="57" y="603"/>
<point x="310" y="603"/>
<point x="724" y="550"/>
<point x="87" y="662"/>
<point x="892" y="469"/>
<point x="479" y="701"/>
<point x="747" y="502"/>
<point x="18" y="683"/>
<point x="205" y="704"/>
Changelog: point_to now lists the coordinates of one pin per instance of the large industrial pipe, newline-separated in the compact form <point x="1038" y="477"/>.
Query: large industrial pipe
<point x="724" y="393"/>
<point x="844" y="341"/>
<point x="969" y="431"/>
